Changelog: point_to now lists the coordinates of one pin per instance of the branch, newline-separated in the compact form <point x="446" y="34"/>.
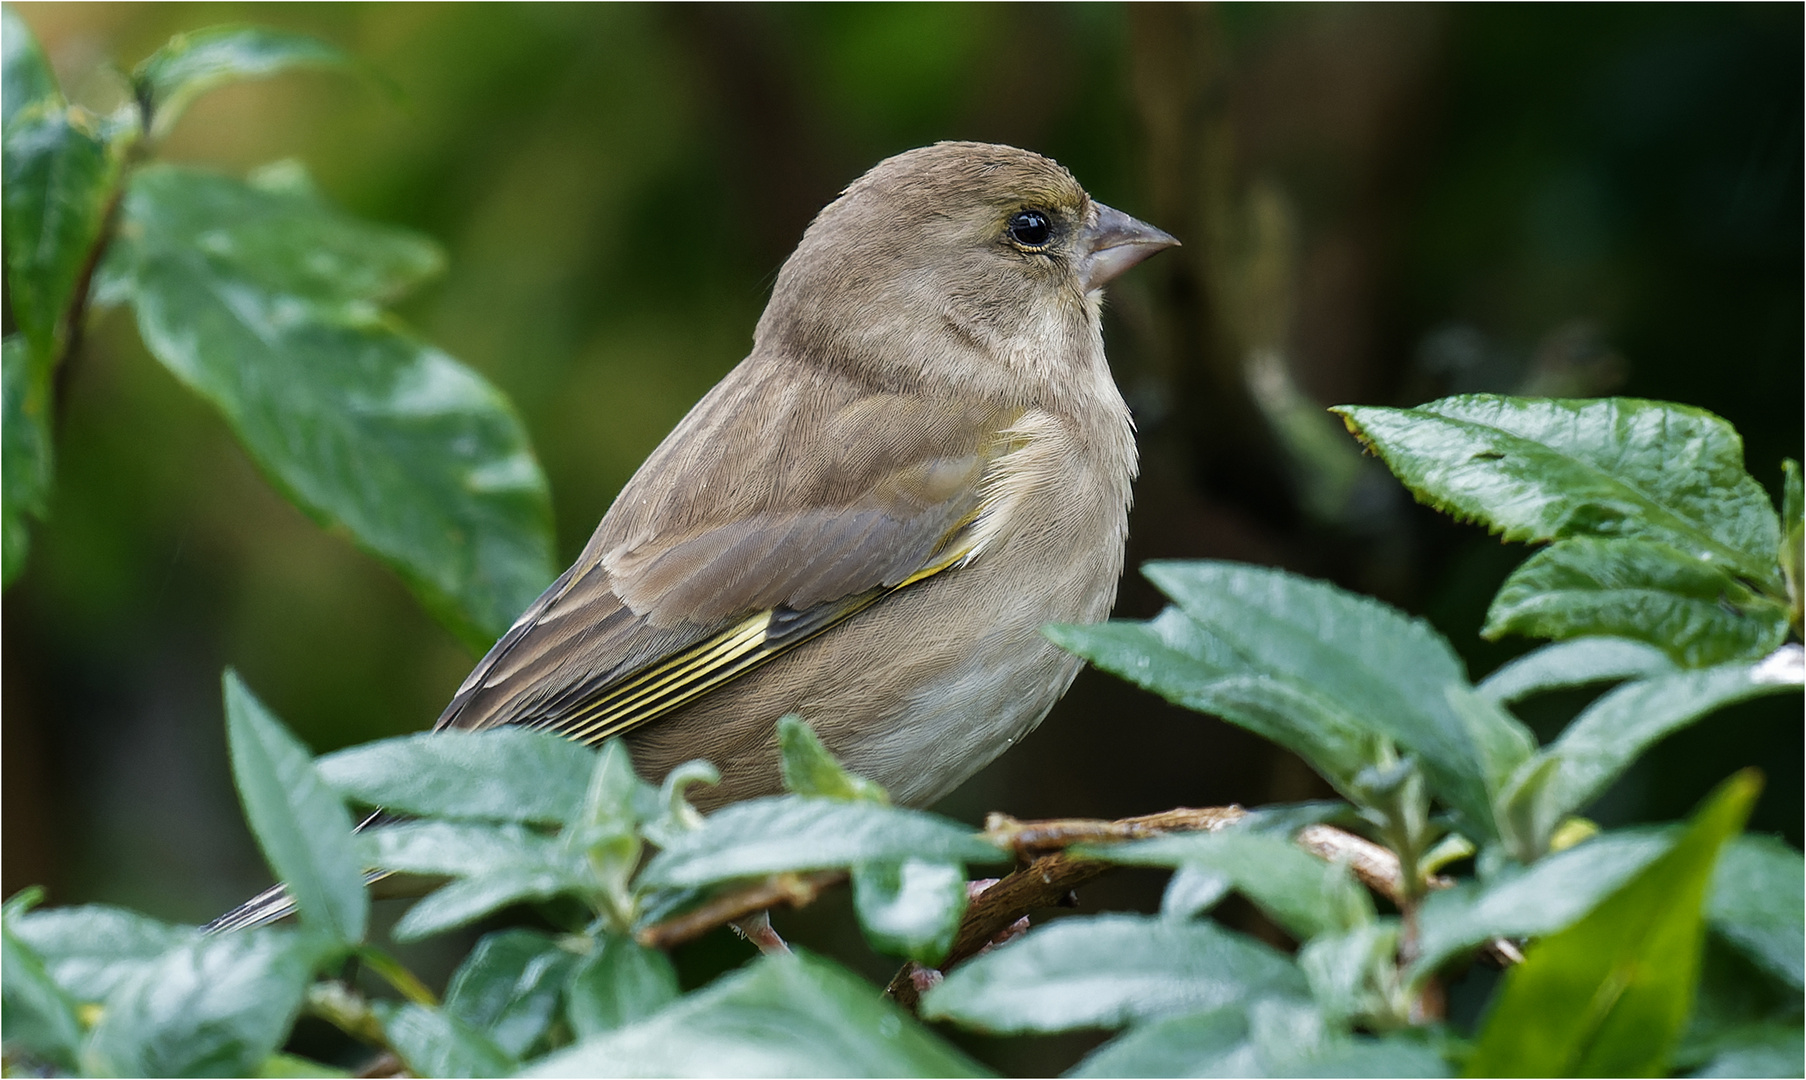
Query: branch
<point x="794" y="890"/>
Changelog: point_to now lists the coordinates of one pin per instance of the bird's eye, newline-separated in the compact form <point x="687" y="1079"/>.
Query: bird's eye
<point x="1030" y="229"/>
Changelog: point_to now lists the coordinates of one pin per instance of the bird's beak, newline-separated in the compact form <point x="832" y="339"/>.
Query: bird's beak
<point x="1113" y="244"/>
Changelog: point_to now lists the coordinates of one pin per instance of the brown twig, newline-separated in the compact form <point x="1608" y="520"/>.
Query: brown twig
<point x="793" y="890"/>
<point x="1039" y="837"/>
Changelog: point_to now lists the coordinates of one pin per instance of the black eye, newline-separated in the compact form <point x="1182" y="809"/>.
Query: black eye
<point x="1030" y="228"/>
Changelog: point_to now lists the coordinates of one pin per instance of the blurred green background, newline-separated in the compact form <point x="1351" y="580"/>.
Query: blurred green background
<point x="1379" y="204"/>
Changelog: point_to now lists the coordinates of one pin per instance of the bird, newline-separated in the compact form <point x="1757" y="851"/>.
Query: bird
<point x="923" y="460"/>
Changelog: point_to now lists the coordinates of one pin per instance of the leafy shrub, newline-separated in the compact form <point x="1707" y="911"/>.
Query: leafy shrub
<point x="1664" y="573"/>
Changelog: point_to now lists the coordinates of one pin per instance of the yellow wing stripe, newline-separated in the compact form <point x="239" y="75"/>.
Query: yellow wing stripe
<point x="670" y="684"/>
<point x="701" y="658"/>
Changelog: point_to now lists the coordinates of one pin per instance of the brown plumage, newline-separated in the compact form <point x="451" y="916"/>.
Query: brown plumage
<point x="922" y="462"/>
<point x="867" y="522"/>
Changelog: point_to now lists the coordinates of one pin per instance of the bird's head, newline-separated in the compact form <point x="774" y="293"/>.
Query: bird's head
<point x="970" y="263"/>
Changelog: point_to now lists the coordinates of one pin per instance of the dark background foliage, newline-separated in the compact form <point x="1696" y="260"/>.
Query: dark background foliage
<point x="1398" y="201"/>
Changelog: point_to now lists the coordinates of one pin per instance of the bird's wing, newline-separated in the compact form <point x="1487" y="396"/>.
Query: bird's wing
<point x="784" y="503"/>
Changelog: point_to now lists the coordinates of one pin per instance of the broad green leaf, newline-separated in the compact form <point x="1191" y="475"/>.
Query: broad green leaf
<point x="810" y="770"/>
<point x="90" y="950"/>
<point x="617" y="984"/>
<point x="469" y="899"/>
<point x="791" y="833"/>
<point x="300" y="825"/>
<point x="508" y="987"/>
<point x="58" y="175"/>
<point x="1110" y="970"/>
<point x="26" y="452"/>
<point x="1193" y="890"/>
<point x="1579" y="662"/>
<point x="217" y="1006"/>
<point x="1353" y="975"/>
<point x="191" y="64"/>
<point x="1698" y="612"/>
<point x="1269" y="1038"/>
<point x="1609" y="995"/>
<point x="1532" y="901"/>
<point x="496" y="865"/>
<point x="1303" y="894"/>
<point x="262" y="299"/>
<point x="780" y="1016"/>
<point x="435" y="1043"/>
<point x="282" y="1066"/>
<point x="1536" y="469"/>
<point x="1758" y="904"/>
<point x="36" y="1015"/>
<point x="910" y="908"/>
<point x="503" y="774"/>
<point x="1175" y="658"/>
<point x="1610" y="734"/>
<point x="1394" y="672"/>
<point x="455" y="848"/>
<point x="1793" y="537"/>
<point x="27" y="77"/>
<point x="1757" y="1050"/>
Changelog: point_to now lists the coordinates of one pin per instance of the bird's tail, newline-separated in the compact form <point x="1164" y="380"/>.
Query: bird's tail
<point x="275" y="904"/>
<point x="266" y="907"/>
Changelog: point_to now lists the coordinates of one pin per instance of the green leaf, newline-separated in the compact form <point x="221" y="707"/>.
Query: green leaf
<point x="791" y="833"/>
<point x="1698" y="612"/>
<point x="1542" y="469"/>
<point x="28" y="80"/>
<point x="910" y="908"/>
<point x="497" y="865"/>
<point x="191" y="64"/>
<point x="455" y="848"/>
<point x="434" y="1043"/>
<point x="1352" y="974"/>
<point x="1609" y="736"/>
<point x="1175" y="658"/>
<point x="1793" y="537"/>
<point x="217" y="1006"/>
<point x="90" y="950"/>
<point x="35" y="1014"/>
<point x="1758" y="1050"/>
<point x="1395" y="673"/>
<point x="26" y="452"/>
<point x="508" y="987"/>
<point x="1758" y="904"/>
<point x="780" y="1016"/>
<point x="1609" y="995"/>
<point x="503" y="774"/>
<point x="1568" y="664"/>
<point x="618" y="984"/>
<point x="1303" y="894"/>
<point x="262" y="300"/>
<point x="810" y="770"/>
<point x="1110" y="970"/>
<point x="1532" y="901"/>
<point x="281" y="1066"/>
<point x="469" y="899"/>
<point x="301" y="826"/>
<point x="58" y="176"/>
<point x="1269" y="1038"/>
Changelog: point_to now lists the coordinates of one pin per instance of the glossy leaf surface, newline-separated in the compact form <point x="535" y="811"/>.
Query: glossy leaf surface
<point x="781" y="1016"/>
<point x="301" y="826"/>
<point x="1110" y="970"/>
<point x="1608" y="996"/>
<point x="263" y="299"/>
<point x="504" y="774"/>
<point x="1696" y="611"/>
<point x="1539" y="469"/>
